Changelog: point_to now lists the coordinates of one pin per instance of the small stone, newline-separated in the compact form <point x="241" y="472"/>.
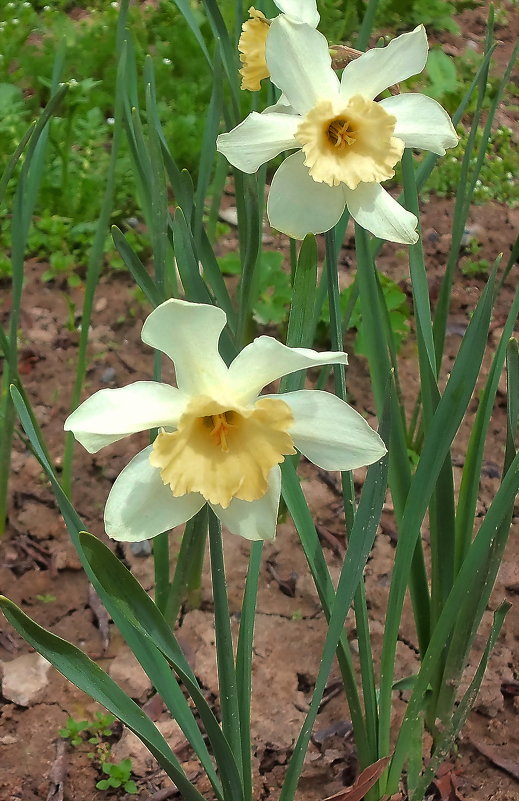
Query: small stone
<point x="8" y="739"/>
<point x="130" y="747"/>
<point x="25" y="678"/>
<point x="229" y="215"/>
<point x="108" y="375"/>
<point x="126" y="671"/>
<point x="141" y="549"/>
<point x="472" y="232"/>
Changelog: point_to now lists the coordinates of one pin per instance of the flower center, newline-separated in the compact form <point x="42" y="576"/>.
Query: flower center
<point x="251" y="46"/>
<point x="340" y="133"/>
<point x="224" y="453"/>
<point x="349" y="145"/>
<point x="220" y="424"/>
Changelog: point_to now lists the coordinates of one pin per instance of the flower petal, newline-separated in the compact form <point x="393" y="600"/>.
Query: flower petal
<point x="300" y="10"/>
<point x="329" y="432"/>
<point x="254" y="520"/>
<point x="266" y="359"/>
<point x="259" y="138"/>
<point x="140" y="506"/>
<point x="299" y="63"/>
<point x="111" y="414"/>
<point x="373" y="71"/>
<point x="297" y="205"/>
<point x="376" y="211"/>
<point x="188" y="333"/>
<point x="421" y="122"/>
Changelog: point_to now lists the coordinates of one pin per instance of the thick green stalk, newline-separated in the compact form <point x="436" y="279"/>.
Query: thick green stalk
<point x="348" y="492"/>
<point x="228" y="689"/>
<point x="94" y="268"/>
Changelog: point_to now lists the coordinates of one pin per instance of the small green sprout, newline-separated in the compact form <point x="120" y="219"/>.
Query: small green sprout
<point x="72" y="730"/>
<point x="119" y="774"/>
<point x="46" y="598"/>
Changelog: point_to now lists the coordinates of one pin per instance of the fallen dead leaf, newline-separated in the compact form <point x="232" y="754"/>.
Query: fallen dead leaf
<point x="363" y="782"/>
<point x="446" y="783"/>
<point x="497" y="757"/>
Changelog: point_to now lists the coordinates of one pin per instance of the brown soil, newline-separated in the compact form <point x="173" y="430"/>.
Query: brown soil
<point x="40" y="571"/>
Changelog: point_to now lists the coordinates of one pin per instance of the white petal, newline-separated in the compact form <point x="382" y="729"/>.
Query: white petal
<point x="266" y="359"/>
<point x="140" y="506"/>
<point x="259" y="138"/>
<point x="421" y="122"/>
<point x="188" y="333"/>
<point x="254" y="520"/>
<point x="299" y="64"/>
<point x="330" y="433"/>
<point x="376" y="211"/>
<point x="300" y="10"/>
<point x="373" y="71"/>
<point x="297" y="205"/>
<point x="111" y="414"/>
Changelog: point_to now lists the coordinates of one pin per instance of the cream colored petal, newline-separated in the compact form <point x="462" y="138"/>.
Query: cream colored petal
<point x="188" y="333"/>
<point x="330" y="433"/>
<point x="421" y="122"/>
<point x="299" y="63"/>
<point x="254" y="520"/>
<point x="259" y="138"/>
<point x="266" y="359"/>
<point x="300" y="10"/>
<point x="376" y="211"/>
<point x="111" y="414"/>
<point x="297" y="205"/>
<point x="381" y="67"/>
<point x="140" y="506"/>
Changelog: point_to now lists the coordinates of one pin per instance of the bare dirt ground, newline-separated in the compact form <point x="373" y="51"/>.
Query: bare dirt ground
<point x="40" y="571"/>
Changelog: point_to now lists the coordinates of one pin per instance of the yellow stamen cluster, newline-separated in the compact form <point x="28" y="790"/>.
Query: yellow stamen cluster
<point x="224" y="453"/>
<point x="349" y="145"/>
<point x="252" y="45"/>
<point x="219" y="424"/>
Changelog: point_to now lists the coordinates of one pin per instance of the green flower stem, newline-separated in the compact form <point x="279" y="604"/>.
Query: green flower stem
<point x="95" y="263"/>
<point x="367" y="24"/>
<point x="187" y="568"/>
<point x="348" y="492"/>
<point x="244" y="662"/>
<point x="228" y="689"/>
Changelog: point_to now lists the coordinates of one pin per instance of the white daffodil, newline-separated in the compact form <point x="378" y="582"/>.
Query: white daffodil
<point x="219" y="441"/>
<point x="348" y="143"/>
<point x="254" y="34"/>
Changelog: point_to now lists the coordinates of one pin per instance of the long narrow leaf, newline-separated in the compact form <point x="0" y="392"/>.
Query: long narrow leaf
<point x="89" y="677"/>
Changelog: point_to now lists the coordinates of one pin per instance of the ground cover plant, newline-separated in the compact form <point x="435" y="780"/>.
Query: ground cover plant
<point x="295" y="117"/>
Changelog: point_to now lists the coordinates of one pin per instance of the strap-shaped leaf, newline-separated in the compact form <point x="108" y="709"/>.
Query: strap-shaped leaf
<point x="151" y="659"/>
<point x="89" y="677"/>
<point x="135" y="606"/>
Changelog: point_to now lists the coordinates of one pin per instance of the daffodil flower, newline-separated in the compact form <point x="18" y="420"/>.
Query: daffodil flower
<point x="254" y="34"/>
<point x="220" y="442"/>
<point x="348" y="143"/>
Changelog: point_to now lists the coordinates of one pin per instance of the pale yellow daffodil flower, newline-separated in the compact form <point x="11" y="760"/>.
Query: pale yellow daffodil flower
<point x="254" y="34"/>
<point x="220" y="442"/>
<point x="348" y="143"/>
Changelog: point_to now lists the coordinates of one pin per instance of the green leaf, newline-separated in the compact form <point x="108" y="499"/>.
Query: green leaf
<point x="442" y="73"/>
<point x="153" y="662"/>
<point x="89" y="677"/>
<point x="130" y="602"/>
